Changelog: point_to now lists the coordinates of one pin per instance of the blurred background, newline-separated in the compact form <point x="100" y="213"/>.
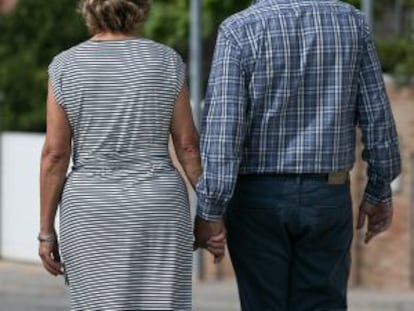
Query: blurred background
<point x="33" y="31"/>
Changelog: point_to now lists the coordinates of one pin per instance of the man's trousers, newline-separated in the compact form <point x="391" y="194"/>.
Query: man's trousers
<point x="289" y="239"/>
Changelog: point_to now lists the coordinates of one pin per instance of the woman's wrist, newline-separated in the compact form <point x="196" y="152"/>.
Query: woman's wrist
<point x="47" y="238"/>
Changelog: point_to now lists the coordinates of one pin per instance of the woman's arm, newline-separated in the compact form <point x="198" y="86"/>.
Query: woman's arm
<point x="54" y="164"/>
<point x="185" y="137"/>
<point x="185" y="140"/>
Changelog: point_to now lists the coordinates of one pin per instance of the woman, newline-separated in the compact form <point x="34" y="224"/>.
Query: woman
<point x="125" y="229"/>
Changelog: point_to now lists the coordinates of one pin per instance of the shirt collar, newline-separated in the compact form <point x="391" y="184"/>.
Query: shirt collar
<point x="257" y="1"/>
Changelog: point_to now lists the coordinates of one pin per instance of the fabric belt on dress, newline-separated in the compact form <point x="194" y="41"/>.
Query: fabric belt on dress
<point x="136" y="160"/>
<point x="335" y="178"/>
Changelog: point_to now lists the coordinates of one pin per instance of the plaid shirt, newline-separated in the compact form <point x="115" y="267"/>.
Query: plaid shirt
<point x="290" y="82"/>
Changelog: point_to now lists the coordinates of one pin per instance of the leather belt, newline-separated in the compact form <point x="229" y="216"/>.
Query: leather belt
<point x="335" y="178"/>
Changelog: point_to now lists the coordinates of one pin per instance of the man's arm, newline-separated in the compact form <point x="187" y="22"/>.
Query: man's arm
<point x="222" y="137"/>
<point x="223" y="129"/>
<point x="380" y="139"/>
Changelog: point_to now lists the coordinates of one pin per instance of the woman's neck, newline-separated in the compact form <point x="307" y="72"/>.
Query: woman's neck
<point x="107" y="36"/>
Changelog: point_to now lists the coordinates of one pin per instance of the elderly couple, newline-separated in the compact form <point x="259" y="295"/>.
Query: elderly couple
<point x="290" y="82"/>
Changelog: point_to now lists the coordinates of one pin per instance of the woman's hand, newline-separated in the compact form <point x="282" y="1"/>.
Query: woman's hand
<point x="217" y="246"/>
<point x="49" y="254"/>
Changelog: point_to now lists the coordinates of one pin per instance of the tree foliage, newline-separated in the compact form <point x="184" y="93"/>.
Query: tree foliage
<point x="38" y="30"/>
<point x="29" y="39"/>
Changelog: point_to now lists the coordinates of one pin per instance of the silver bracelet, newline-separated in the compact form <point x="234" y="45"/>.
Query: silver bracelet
<point x="48" y="238"/>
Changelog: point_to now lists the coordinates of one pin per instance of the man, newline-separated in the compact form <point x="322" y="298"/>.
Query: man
<point x="291" y="80"/>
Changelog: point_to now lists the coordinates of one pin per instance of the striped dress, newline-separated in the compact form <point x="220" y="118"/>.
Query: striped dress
<point x="125" y="227"/>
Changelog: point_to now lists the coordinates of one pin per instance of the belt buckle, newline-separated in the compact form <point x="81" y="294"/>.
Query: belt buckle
<point x="338" y="178"/>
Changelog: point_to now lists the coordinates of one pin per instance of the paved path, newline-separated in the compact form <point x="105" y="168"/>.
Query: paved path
<point x="28" y="288"/>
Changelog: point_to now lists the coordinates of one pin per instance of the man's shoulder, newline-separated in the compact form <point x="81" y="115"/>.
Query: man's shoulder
<point x="240" y="19"/>
<point x="259" y="13"/>
<point x="347" y="8"/>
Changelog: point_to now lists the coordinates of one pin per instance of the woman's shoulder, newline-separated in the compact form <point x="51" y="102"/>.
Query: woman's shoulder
<point x="66" y="55"/>
<point x="161" y="47"/>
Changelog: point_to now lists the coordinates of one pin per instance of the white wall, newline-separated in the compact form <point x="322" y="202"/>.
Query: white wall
<point x="20" y="195"/>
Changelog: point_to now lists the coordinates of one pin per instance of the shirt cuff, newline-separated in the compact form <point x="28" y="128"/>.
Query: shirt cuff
<point x="378" y="193"/>
<point x="209" y="212"/>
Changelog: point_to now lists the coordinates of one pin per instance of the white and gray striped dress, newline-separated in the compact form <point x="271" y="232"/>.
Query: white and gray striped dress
<point x="125" y="227"/>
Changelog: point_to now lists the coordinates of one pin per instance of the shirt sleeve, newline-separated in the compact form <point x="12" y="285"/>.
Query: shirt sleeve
<point x="223" y="129"/>
<point x="376" y="121"/>
<point x="55" y="77"/>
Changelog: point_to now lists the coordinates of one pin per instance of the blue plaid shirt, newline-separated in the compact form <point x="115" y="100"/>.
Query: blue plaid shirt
<point x="290" y="82"/>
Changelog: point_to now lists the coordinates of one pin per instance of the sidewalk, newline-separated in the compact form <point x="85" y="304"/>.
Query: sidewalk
<point x="28" y="288"/>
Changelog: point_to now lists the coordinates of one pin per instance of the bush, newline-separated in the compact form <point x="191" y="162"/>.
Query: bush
<point x="29" y="39"/>
<point x="397" y="58"/>
<point x="38" y="30"/>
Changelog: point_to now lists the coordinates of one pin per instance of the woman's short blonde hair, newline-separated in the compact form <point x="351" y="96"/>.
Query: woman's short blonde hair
<point x="120" y="16"/>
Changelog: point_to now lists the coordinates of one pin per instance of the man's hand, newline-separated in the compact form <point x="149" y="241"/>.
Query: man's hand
<point x="210" y="235"/>
<point x="379" y="219"/>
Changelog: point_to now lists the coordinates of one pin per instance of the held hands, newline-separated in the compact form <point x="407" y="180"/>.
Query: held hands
<point x="49" y="254"/>
<point x="210" y="235"/>
<point x="379" y="218"/>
